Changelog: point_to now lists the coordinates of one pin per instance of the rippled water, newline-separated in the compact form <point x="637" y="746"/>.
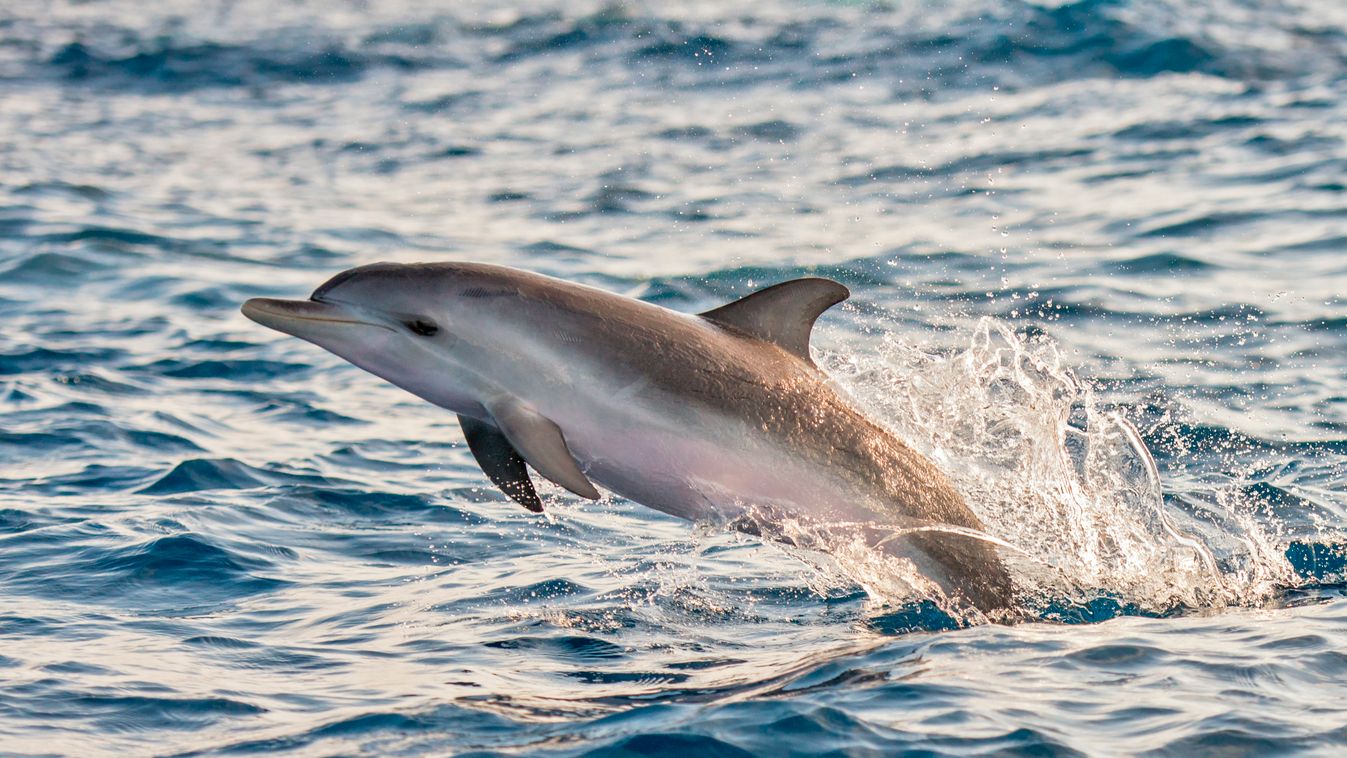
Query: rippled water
<point x="1098" y="254"/>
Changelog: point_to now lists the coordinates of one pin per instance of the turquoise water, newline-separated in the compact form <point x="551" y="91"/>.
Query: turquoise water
<point x="1098" y="256"/>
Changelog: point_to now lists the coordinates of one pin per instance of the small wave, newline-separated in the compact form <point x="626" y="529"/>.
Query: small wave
<point x="237" y="369"/>
<point x="42" y="359"/>
<point x="176" y="66"/>
<point x="178" y="571"/>
<point x="82" y="191"/>
<point x="1161" y="263"/>
<point x="143" y="712"/>
<point x="200" y="474"/>
<point x="53" y="268"/>
<point x="987" y="162"/>
<point x="1204" y="225"/>
<point x="568" y="647"/>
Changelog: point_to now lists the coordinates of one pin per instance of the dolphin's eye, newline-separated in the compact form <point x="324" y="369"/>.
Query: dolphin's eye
<point x="422" y="327"/>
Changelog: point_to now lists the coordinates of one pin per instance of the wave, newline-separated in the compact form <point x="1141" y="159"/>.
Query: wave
<point x="176" y="66"/>
<point x="1011" y="44"/>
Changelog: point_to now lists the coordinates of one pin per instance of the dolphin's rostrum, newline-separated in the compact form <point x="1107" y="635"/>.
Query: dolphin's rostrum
<point x="721" y="415"/>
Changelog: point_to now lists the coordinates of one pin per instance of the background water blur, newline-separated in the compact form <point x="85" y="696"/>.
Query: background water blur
<point x="1059" y="223"/>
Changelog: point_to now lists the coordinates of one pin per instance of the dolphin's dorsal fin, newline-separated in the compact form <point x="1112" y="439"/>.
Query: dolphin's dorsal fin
<point x="783" y="314"/>
<point x="539" y="441"/>
<point x="500" y="462"/>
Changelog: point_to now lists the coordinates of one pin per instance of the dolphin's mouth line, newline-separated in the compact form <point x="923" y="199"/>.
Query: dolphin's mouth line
<point x="294" y="311"/>
<point x="340" y="321"/>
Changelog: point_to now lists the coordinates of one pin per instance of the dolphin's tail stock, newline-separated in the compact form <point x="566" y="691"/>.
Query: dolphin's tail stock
<point x="966" y="566"/>
<point x="963" y="562"/>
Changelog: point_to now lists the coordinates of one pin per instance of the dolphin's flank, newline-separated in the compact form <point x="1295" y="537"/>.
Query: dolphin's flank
<point x="718" y="415"/>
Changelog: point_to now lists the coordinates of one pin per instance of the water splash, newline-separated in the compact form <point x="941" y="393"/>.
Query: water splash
<point x="1061" y="478"/>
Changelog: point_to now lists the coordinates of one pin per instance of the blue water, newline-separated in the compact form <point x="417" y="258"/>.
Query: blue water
<point x="1060" y="223"/>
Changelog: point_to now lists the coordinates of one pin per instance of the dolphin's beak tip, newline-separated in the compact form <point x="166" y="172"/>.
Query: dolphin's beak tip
<point x="266" y="311"/>
<point x="252" y="308"/>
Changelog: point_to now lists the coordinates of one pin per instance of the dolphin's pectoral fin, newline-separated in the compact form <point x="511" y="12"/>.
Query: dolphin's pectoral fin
<point x="500" y="462"/>
<point x="782" y="314"/>
<point x="538" y="439"/>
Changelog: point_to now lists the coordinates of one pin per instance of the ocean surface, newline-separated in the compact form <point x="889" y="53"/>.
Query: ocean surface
<point x="1098" y="256"/>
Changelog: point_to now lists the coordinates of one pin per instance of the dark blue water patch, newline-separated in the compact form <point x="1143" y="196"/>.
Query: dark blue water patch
<point x="799" y="729"/>
<point x="13" y="394"/>
<point x="687" y="133"/>
<point x="15" y="521"/>
<point x="367" y="504"/>
<point x="35" y="444"/>
<point x="1204" y="225"/>
<point x="118" y="239"/>
<point x="94" y="478"/>
<point x="65" y="189"/>
<point x="475" y="726"/>
<point x="236" y="369"/>
<point x="1161" y="263"/>
<point x="924" y="616"/>
<point x="1328" y="325"/>
<point x="91" y="330"/>
<point x="698" y="48"/>
<point x="644" y="678"/>
<point x="548" y="34"/>
<point x="166" y="65"/>
<point x="218" y="345"/>
<point x="616" y="198"/>
<point x="1094" y="608"/>
<point x="39" y="359"/>
<point x="119" y="712"/>
<point x="51" y="268"/>
<point x="1318" y="562"/>
<point x="76" y="667"/>
<point x="181" y="571"/>
<point x="288" y="407"/>
<point x="1116" y="657"/>
<point x="508" y="196"/>
<point x="776" y="130"/>
<point x="1153" y="131"/>
<point x="1278" y="505"/>
<point x="1227" y="735"/>
<point x="448" y="103"/>
<point x="367" y="457"/>
<point x="549" y="249"/>
<point x="456" y="151"/>
<point x="1092" y="37"/>
<point x="1318" y="143"/>
<point x="217" y="642"/>
<point x="549" y="589"/>
<point x="1336" y="244"/>
<point x="199" y="474"/>
<point x="396" y="555"/>
<point x="1334" y="187"/>
<point x="984" y="163"/>
<point x="566" y="647"/>
<point x="97" y="382"/>
<point x="95" y="437"/>
<point x="671" y="744"/>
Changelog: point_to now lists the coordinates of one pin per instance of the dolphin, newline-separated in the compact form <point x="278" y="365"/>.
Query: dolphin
<point x="721" y="415"/>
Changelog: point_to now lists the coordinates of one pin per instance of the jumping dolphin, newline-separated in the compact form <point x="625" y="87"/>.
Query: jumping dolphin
<point x="709" y="416"/>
